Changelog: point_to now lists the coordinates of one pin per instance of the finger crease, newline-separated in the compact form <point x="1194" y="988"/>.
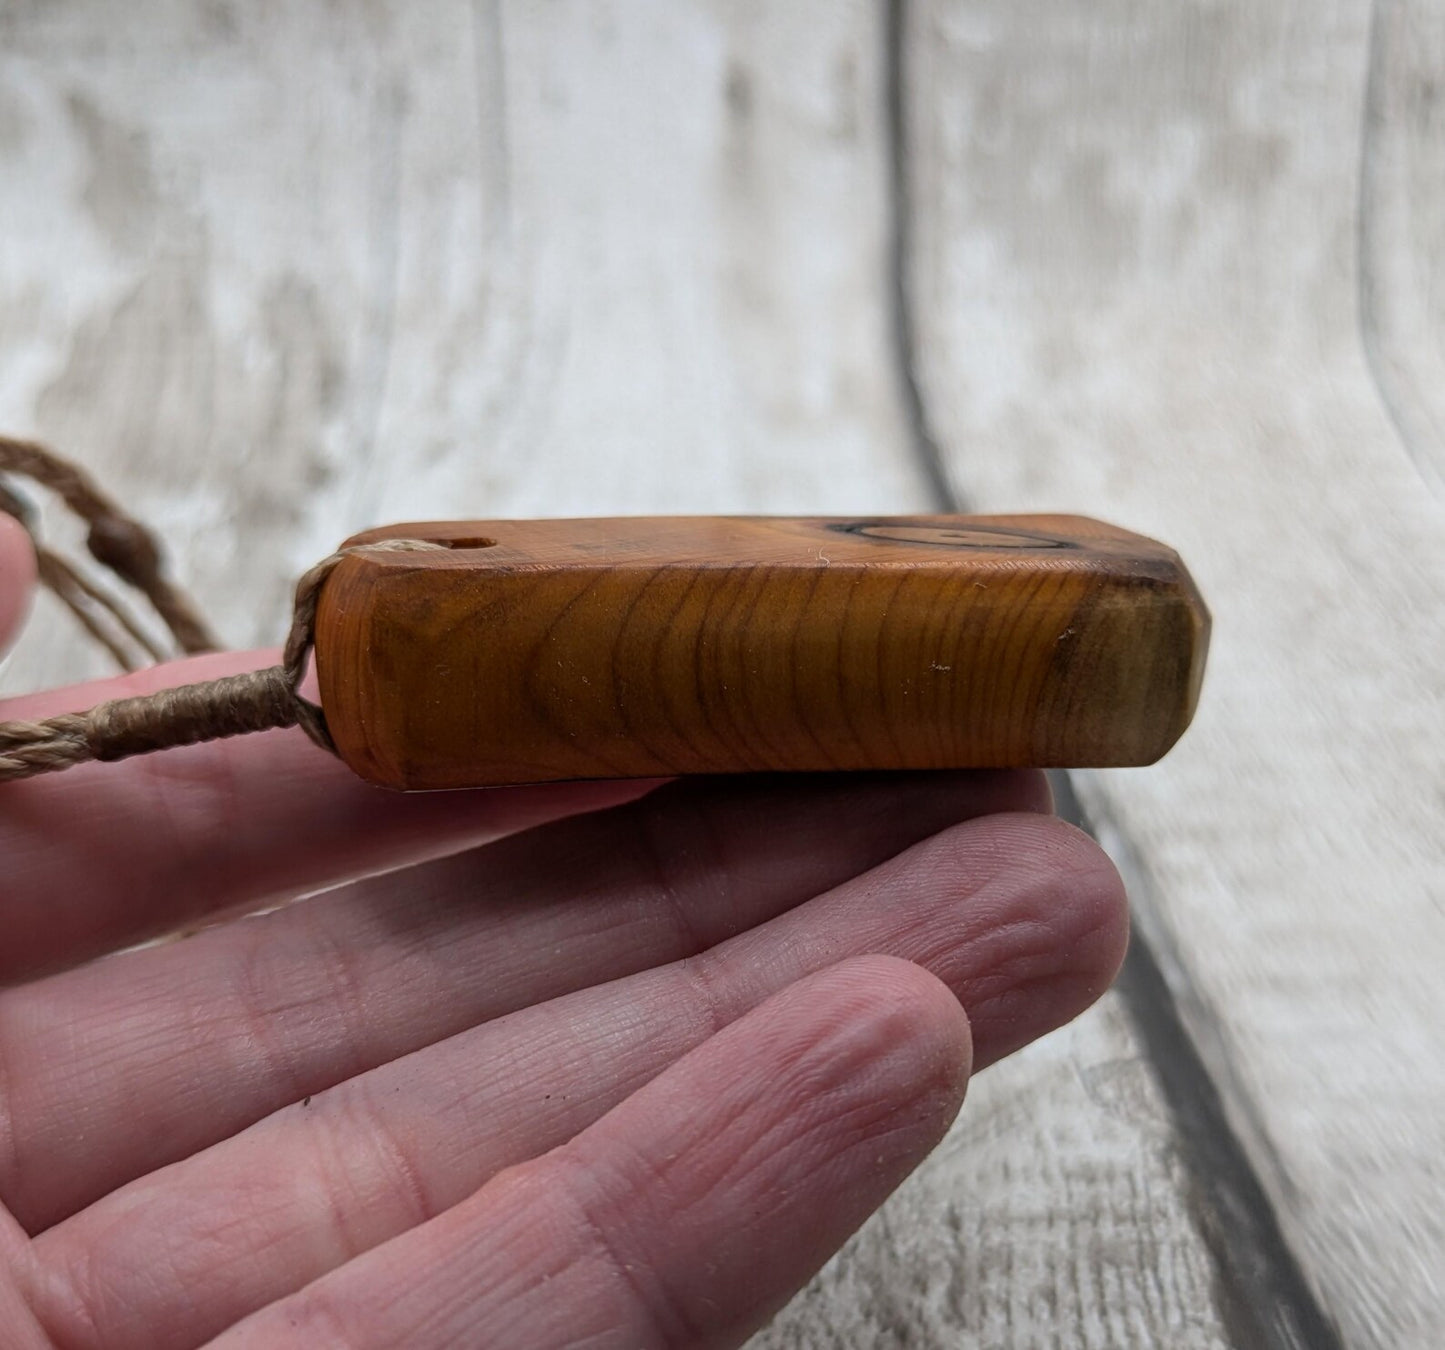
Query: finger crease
<point x="706" y="990"/>
<point x="673" y="884"/>
<point x="347" y="1186"/>
<point x="665" y="1315"/>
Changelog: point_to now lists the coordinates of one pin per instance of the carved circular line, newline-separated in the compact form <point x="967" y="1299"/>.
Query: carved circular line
<point x="931" y="535"/>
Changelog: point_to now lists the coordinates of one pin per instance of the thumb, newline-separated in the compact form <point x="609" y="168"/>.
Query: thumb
<point x="17" y="577"/>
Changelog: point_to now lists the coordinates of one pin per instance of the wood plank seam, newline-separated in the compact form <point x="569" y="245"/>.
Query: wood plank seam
<point x="1260" y="1286"/>
<point x="921" y="438"/>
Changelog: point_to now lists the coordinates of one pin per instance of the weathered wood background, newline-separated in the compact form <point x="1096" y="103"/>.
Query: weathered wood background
<point x="278" y="272"/>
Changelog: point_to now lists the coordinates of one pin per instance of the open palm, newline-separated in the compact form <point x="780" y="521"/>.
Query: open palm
<point x="598" y="1064"/>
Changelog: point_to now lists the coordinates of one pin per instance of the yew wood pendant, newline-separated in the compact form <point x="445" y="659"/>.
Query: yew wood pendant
<point x="528" y="651"/>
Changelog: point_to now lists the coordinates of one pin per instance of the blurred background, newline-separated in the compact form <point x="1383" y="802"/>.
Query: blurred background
<point x="277" y="272"/>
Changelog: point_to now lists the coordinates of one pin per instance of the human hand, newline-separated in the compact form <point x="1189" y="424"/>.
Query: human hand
<point x="603" y="1064"/>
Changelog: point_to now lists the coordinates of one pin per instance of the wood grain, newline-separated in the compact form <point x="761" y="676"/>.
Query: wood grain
<point x="530" y="651"/>
<point x="277" y="273"/>
<point x="1138" y="232"/>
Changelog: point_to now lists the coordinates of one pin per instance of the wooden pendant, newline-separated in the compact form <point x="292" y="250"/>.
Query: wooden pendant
<point x="529" y="651"/>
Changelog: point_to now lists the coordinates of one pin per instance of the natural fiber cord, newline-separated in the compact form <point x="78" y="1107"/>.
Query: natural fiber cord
<point x="231" y="706"/>
<point x="116" y="541"/>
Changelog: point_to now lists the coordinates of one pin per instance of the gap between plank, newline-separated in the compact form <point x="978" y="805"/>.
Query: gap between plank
<point x="923" y="444"/>
<point x="1263" y="1298"/>
<point x="1262" y="1295"/>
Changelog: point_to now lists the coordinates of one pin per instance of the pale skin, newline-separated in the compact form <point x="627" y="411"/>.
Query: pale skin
<point x="600" y="1065"/>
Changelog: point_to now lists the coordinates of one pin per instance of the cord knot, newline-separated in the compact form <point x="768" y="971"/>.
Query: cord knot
<point x="127" y="549"/>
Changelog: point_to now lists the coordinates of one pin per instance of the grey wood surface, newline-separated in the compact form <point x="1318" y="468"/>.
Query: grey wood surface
<point x="1181" y="267"/>
<point x="282" y="272"/>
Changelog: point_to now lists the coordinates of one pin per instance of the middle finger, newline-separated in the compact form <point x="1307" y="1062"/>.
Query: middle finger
<point x="162" y="1052"/>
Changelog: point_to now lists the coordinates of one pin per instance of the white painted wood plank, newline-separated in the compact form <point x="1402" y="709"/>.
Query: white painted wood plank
<point x="1136" y="280"/>
<point x="281" y="275"/>
<point x="290" y="273"/>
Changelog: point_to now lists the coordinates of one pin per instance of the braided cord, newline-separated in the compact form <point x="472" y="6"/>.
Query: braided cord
<point x="234" y="705"/>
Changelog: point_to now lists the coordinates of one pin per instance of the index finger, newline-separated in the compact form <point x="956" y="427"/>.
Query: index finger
<point x="108" y="854"/>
